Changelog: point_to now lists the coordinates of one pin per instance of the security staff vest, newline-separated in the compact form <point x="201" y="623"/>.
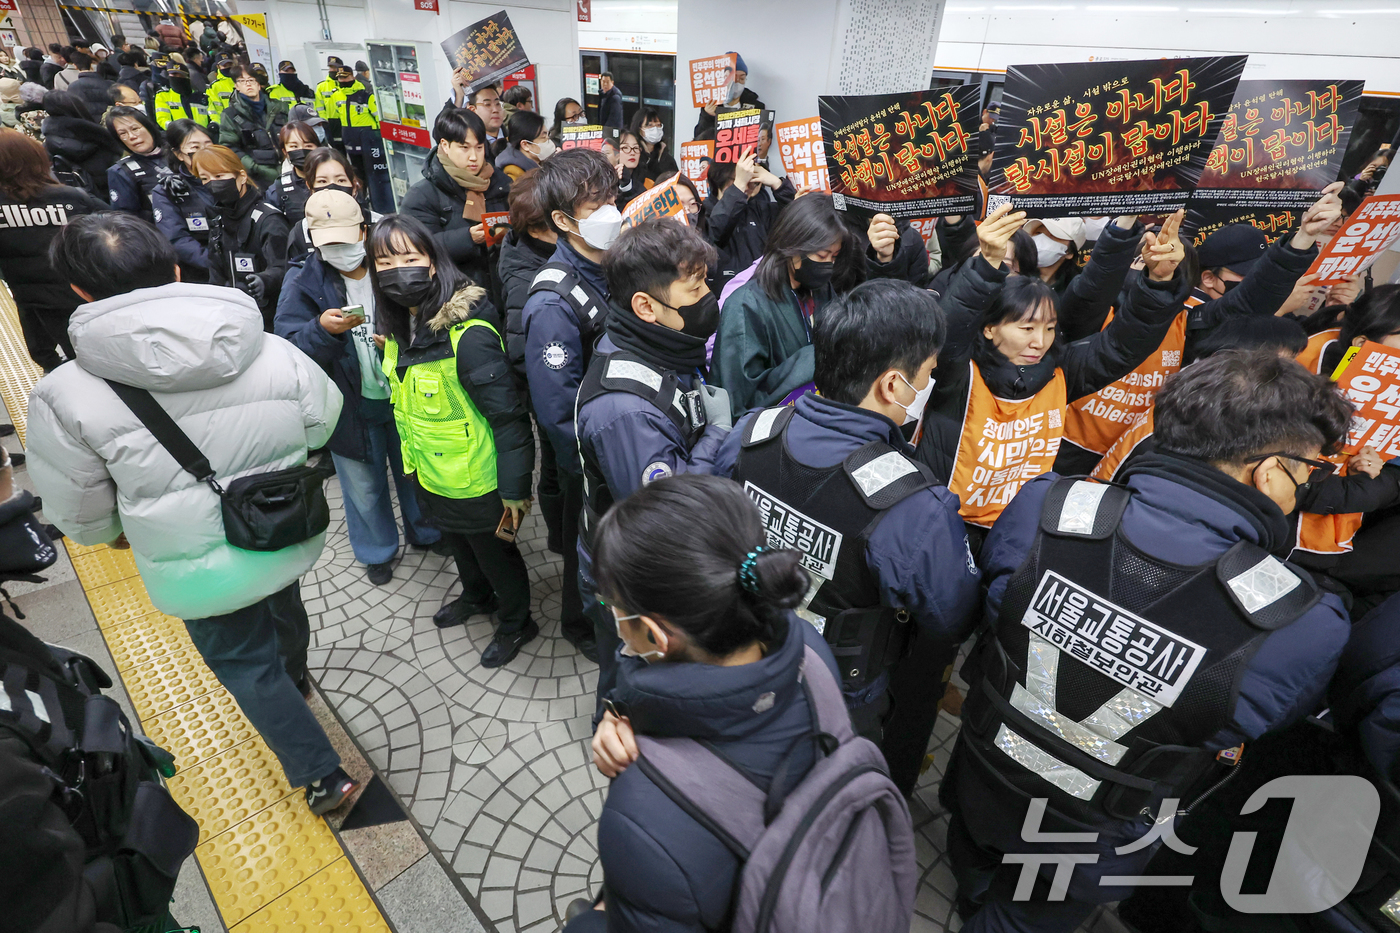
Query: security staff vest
<point x="1311" y="357"/>
<point x="1004" y="443"/>
<point x="146" y="179"/>
<point x="445" y="440"/>
<point x="587" y="305"/>
<point x="1107" y="669"/>
<point x="828" y="515"/>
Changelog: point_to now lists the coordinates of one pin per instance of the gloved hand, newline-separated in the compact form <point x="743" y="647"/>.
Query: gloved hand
<point x="716" y="402"/>
<point x="256" y="287"/>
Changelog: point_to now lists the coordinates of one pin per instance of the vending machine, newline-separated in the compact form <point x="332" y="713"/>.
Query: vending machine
<point x="405" y="89"/>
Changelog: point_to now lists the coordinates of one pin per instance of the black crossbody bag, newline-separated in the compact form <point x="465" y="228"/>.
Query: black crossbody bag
<point x="262" y="512"/>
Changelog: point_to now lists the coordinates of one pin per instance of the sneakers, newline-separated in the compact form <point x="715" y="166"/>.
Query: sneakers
<point x="460" y="610"/>
<point x="380" y="574"/>
<point x="504" y="647"/>
<point x="325" y="795"/>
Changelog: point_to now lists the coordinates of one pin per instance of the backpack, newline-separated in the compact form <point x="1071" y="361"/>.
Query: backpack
<point x="836" y="854"/>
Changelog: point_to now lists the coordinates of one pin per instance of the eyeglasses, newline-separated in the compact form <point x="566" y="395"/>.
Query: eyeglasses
<point x="632" y="150"/>
<point x="1318" y="470"/>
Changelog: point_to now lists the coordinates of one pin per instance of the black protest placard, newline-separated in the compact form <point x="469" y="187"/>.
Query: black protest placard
<point x="590" y="136"/>
<point x="906" y="155"/>
<point x="489" y="50"/>
<point x="1108" y="138"/>
<point x="737" y="130"/>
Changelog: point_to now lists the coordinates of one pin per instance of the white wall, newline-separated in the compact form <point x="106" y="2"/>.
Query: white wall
<point x="630" y="26"/>
<point x="1283" y="38"/>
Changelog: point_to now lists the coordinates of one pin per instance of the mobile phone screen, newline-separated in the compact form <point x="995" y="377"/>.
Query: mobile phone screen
<point x="354" y="311"/>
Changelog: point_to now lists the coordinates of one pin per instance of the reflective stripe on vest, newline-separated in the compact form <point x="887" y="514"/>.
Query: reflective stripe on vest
<point x="1312" y="354"/>
<point x="1096" y="421"/>
<point x="1004" y="444"/>
<point x="1123" y="448"/>
<point x="444" y="437"/>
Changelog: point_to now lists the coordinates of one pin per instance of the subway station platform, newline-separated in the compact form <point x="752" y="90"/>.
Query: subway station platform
<point x="481" y="799"/>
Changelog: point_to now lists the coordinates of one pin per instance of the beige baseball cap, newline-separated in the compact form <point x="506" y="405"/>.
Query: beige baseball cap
<point x="333" y="217"/>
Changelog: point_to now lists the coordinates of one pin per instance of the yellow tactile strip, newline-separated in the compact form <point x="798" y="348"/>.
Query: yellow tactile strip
<point x="271" y="865"/>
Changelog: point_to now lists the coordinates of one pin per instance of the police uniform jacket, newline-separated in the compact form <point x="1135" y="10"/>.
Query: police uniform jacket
<point x="126" y="189"/>
<point x="181" y="221"/>
<point x="521" y="258"/>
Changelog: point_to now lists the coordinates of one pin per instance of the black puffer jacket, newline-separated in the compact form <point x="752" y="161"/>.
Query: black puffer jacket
<point x="520" y="259"/>
<point x="438" y="202"/>
<point x="738" y="225"/>
<point x="92" y="88"/>
<point x="87" y="146"/>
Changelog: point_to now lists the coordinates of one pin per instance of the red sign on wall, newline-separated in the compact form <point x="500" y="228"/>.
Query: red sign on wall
<point x="412" y="135"/>
<point x="585" y="11"/>
<point x="12" y="5"/>
<point x="427" y="5"/>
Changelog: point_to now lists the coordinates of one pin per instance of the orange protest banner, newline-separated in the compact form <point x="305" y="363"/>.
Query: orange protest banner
<point x="803" y="154"/>
<point x="710" y="79"/>
<point x="661" y="201"/>
<point x="695" y="163"/>
<point x="1369" y="231"/>
<point x="495" y="224"/>
<point x="1369" y="375"/>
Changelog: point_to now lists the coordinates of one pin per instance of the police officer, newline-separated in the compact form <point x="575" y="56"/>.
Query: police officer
<point x="220" y="89"/>
<point x="1139" y="638"/>
<point x="644" y="410"/>
<point x="352" y="105"/>
<point x="328" y="87"/>
<point x="894" y="588"/>
<point x="287" y="78"/>
<point x="180" y="102"/>
<point x="563" y="318"/>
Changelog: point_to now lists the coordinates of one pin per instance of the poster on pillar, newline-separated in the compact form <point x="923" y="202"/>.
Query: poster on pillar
<point x="804" y="157"/>
<point x="696" y="156"/>
<point x="1108" y="138"/>
<point x="255" y="37"/>
<point x="590" y="136"/>
<point x="737" y="131"/>
<point x="487" y="50"/>
<point x="1280" y="144"/>
<point x="906" y="155"/>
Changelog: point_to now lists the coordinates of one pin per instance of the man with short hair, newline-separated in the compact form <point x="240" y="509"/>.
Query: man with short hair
<point x="485" y="102"/>
<point x="121" y="95"/>
<point x="63" y="79"/>
<point x="251" y="403"/>
<point x="53" y="66"/>
<point x="610" y="104"/>
<point x="89" y="85"/>
<point x="1140" y="638"/>
<point x="517" y="98"/>
<point x="563" y="318"/>
<point x="895" y="590"/>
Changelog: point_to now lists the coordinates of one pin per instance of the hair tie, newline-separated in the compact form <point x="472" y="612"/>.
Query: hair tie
<point x="748" y="571"/>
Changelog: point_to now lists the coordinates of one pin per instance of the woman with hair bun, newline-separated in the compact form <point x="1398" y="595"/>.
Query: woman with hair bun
<point x="711" y="651"/>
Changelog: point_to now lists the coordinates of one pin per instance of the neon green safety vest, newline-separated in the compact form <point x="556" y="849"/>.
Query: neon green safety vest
<point x="278" y="92"/>
<point x="170" y="106"/>
<point x="445" y="439"/>
<point x="220" y="90"/>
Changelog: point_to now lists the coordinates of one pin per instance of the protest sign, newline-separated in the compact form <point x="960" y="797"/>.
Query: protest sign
<point x="662" y="201"/>
<point x="927" y="227"/>
<point x="802" y="152"/>
<point x="737" y="130"/>
<point x="907" y="155"/>
<point x="1367" y="233"/>
<point x="1199" y="224"/>
<point x="587" y="137"/>
<point x="1369" y="375"/>
<point x="1108" y="138"/>
<point x="488" y="50"/>
<point x="710" y="79"/>
<point x="494" y="225"/>
<point x="694" y="165"/>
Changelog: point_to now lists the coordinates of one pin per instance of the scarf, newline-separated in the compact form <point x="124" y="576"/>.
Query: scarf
<point x="1261" y="511"/>
<point x="655" y="343"/>
<point x="474" y="204"/>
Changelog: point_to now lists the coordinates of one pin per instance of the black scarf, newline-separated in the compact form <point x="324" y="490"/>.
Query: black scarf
<point x="1261" y="511"/>
<point x="1008" y="380"/>
<point x="658" y="345"/>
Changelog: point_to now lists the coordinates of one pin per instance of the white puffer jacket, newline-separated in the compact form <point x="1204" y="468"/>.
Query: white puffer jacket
<point x="250" y="401"/>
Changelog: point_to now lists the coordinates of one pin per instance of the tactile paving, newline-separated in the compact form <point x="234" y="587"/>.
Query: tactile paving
<point x="230" y="787"/>
<point x="119" y="603"/>
<point x="265" y="856"/>
<point x="168" y="682"/>
<point x="99" y="568"/>
<point x="200" y="729"/>
<point x="145" y="639"/>
<point x="78" y="550"/>
<point x="332" y="899"/>
<point x="18" y="374"/>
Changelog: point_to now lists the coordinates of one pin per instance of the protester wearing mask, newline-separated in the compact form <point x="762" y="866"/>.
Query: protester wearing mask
<point x="133" y="178"/>
<point x="1004" y="365"/>
<point x="82" y="148"/>
<point x="656" y="156"/>
<point x="221" y="90"/>
<point x="763" y="350"/>
<point x="1057" y="245"/>
<point x="567" y="112"/>
<point x="180" y="101"/>
<point x="42" y="298"/>
<point x="327" y="168"/>
<point x="289" y="192"/>
<point x="466" y="435"/>
<point x="738" y="97"/>
<point x="653" y="347"/>
<point x="741" y="210"/>
<point x="181" y="206"/>
<point x="251" y="125"/>
<point x="247" y="236"/>
<point x="459" y="185"/>
<point x="562" y="320"/>
<point x="899" y="593"/>
<point x="336" y="276"/>
<point x="529" y="145"/>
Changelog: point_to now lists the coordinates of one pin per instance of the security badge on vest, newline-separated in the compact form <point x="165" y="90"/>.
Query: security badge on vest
<point x="828" y="516"/>
<point x="1107" y="669"/>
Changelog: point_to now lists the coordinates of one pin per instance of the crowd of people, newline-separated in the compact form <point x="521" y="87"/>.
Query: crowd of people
<point x="766" y="436"/>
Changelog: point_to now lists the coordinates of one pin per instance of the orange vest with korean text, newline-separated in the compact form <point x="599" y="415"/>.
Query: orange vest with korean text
<point x="1312" y="354"/>
<point x="1096" y="421"/>
<point x="1004" y="444"/>
<point x="1140" y="430"/>
<point x="1328" y="534"/>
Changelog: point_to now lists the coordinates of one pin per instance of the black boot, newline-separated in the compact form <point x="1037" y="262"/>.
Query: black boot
<point x="552" y="508"/>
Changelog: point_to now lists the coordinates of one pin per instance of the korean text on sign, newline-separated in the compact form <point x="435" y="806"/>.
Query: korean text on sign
<point x="710" y="79"/>
<point x="694" y="165"/>
<point x="785" y="527"/>
<point x="661" y="201"/>
<point x="1370" y="231"/>
<point x="1372" y="381"/>
<point x="804" y="158"/>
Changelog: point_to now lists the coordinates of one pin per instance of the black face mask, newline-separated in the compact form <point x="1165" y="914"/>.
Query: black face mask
<point x="223" y="190"/>
<point x="345" y="188"/>
<point x="181" y="86"/>
<point x="701" y="318"/>
<point x="298" y="157"/>
<point x="813" y="275"/>
<point x="1230" y="285"/>
<point x="346" y="83"/>
<point x="406" y="285"/>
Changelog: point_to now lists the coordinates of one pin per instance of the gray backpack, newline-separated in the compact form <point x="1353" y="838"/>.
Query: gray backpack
<point x="836" y="855"/>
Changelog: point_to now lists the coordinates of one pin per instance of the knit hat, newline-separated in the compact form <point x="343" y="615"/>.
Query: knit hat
<point x="739" y="62"/>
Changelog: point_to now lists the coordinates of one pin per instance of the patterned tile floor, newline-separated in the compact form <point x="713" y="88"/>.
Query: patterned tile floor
<point x="494" y="766"/>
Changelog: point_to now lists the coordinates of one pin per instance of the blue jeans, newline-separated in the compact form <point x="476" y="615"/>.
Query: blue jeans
<point x="369" y="512"/>
<point x="243" y="651"/>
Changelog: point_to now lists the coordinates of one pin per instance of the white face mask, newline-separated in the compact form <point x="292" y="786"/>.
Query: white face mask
<point x="1048" y="251"/>
<point x="1093" y="226"/>
<point x="543" y="150"/>
<point x="735" y="90"/>
<point x="600" y="228"/>
<point x="347" y="257"/>
<point x="653" y="134"/>
<point x="915" y="409"/>
<point x="627" y="650"/>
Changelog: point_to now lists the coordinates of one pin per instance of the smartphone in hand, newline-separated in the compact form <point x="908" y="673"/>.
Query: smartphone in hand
<point x="353" y="314"/>
<point x="506" y="529"/>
